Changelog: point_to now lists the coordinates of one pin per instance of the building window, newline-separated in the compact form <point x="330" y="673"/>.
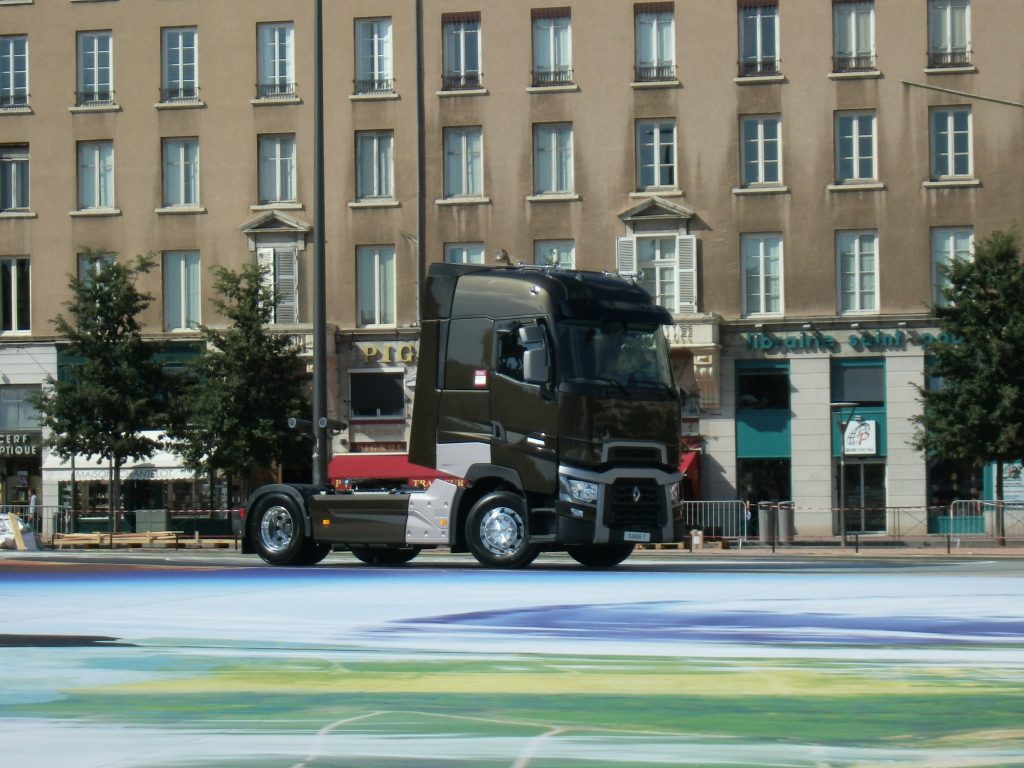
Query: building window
<point x="759" y="39"/>
<point x="951" y="143"/>
<point x="95" y="175"/>
<point x="854" y="36"/>
<point x="552" y="47"/>
<point x="181" y="65"/>
<point x="855" y="147"/>
<point x="762" y="274"/>
<point x="948" y="245"/>
<point x="949" y="33"/>
<point x="16" y="410"/>
<point x="181" y="172"/>
<point x="95" y="68"/>
<point x="276" y="76"/>
<point x="461" y="51"/>
<point x="552" y="158"/>
<point x="279" y="268"/>
<point x="14" y="295"/>
<point x="90" y="264"/>
<point x="181" y="290"/>
<point x="656" y="154"/>
<point x="555" y="253"/>
<point x="13" y="71"/>
<point x="277" y="169"/>
<point x="464" y="253"/>
<point x="860" y="381"/>
<point x="375" y="271"/>
<point x="666" y="264"/>
<point x="463" y="162"/>
<point x="373" y="56"/>
<point x="762" y="150"/>
<point x="14" y="178"/>
<point x="655" y="42"/>
<point x="375" y="165"/>
<point x="377" y="395"/>
<point x="858" y="271"/>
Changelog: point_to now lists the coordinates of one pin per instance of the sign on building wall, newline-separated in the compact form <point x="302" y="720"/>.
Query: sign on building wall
<point x="18" y="444"/>
<point x="861" y="438"/>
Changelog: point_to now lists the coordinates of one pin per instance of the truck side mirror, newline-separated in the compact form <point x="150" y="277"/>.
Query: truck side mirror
<point x="535" y="366"/>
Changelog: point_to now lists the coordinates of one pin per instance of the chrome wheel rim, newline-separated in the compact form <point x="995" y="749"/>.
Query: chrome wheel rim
<point x="502" y="531"/>
<point x="277" y="529"/>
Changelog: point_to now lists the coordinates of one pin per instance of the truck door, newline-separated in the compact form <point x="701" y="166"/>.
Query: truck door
<point x="524" y="408"/>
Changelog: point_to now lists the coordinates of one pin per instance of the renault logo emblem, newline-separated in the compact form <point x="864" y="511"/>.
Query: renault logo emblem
<point x="636" y="494"/>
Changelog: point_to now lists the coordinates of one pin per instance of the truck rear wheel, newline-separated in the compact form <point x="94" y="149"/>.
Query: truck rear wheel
<point x="278" y="534"/>
<point x="496" y="531"/>
<point x="384" y="555"/>
<point x="600" y="555"/>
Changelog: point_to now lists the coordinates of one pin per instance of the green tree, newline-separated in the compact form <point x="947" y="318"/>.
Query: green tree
<point x="975" y="414"/>
<point x="232" y="414"/>
<point x="101" y="404"/>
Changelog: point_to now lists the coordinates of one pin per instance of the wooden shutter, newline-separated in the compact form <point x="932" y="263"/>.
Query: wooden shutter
<point x="265" y="260"/>
<point x="686" y="279"/>
<point x="625" y="255"/>
<point x="287" y="285"/>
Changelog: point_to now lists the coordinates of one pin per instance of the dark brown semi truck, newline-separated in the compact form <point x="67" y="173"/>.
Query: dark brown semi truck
<point x="547" y="396"/>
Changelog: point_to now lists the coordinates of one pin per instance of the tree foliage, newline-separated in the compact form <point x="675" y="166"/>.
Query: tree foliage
<point x="232" y="414"/>
<point x="975" y="413"/>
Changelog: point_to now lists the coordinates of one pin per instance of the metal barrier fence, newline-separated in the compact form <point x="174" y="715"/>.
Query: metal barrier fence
<point x="717" y="519"/>
<point x="50" y="520"/>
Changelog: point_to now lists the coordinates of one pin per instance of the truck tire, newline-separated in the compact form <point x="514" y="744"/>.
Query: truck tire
<point x="600" y="555"/>
<point x="384" y="555"/>
<point x="277" y="532"/>
<point x="496" y="531"/>
<point x="313" y="552"/>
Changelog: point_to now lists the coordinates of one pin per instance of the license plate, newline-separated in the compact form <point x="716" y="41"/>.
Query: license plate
<point x="636" y="536"/>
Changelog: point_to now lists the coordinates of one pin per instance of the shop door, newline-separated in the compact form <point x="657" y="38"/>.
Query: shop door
<point x="864" y="500"/>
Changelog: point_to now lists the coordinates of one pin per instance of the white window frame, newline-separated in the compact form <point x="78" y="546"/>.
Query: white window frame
<point x="13" y="71"/>
<point x="279" y="271"/>
<point x="757" y="168"/>
<point x="684" y="264"/>
<point x="945" y="132"/>
<point x="397" y="373"/>
<point x="181" y="275"/>
<point x="857" y="286"/>
<point x="656" y="158"/>
<point x="850" y="145"/>
<point x="552" y="159"/>
<point x="763" y="264"/>
<point x="375" y="286"/>
<point x="552" y="50"/>
<point x="180" y="74"/>
<point x="943" y="48"/>
<point x="181" y="172"/>
<point x="759" y="32"/>
<point x="96" y="175"/>
<point x="463" y="166"/>
<point x="464" y="253"/>
<point x="374" y="55"/>
<point x="851" y="22"/>
<point x="654" y="45"/>
<point x="555" y="253"/>
<point x="277" y="182"/>
<point x="948" y="244"/>
<point x="15" y="178"/>
<point x="375" y="165"/>
<point x="275" y="44"/>
<point x="89" y="265"/>
<point x="462" y="39"/>
<point x="95" y="67"/>
<point x="18" y="274"/>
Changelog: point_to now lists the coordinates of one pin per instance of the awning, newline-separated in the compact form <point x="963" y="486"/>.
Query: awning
<point x="162" y="464"/>
<point x="380" y="466"/>
<point x="689" y="465"/>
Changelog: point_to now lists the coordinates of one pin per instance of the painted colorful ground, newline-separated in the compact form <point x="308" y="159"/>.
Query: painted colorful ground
<point x="270" y="668"/>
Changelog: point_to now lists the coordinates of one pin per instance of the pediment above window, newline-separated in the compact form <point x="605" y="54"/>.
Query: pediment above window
<point x="657" y="209"/>
<point x="275" y="222"/>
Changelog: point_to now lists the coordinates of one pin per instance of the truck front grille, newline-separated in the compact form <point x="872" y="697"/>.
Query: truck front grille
<point x="634" y="504"/>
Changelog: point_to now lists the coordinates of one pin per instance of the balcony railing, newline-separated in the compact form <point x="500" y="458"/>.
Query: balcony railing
<point x="374" y="85"/>
<point x="546" y="77"/>
<point x="760" y="67"/>
<point x="275" y="90"/>
<point x="464" y="81"/>
<point x="13" y="100"/>
<point x="179" y="95"/>
<point x="654" y="73"/>
<point x="94" y="98"/>
<point x="864" y="62"/>
<point x="940" y="59"/>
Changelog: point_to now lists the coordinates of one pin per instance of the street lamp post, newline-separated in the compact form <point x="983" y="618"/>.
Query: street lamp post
<point x="320" y="446"/>
<point x="842" y="463"/>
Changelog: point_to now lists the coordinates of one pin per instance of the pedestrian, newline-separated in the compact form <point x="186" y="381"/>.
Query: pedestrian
<point x="32" y="505"/>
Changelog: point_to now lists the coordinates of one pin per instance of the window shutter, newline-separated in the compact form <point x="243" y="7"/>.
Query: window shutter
<point x="287" y="286"/>
<point x="265" y="260"/>
<point x="686" y="280"/>
<point x="625" y="255"/>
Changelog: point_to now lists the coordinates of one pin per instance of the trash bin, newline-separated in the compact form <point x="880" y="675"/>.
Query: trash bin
<point x="767" y="513"/>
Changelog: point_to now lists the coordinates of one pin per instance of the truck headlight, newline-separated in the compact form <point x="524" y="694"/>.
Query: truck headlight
<point x="577" y="490"/>
<point x="677" y="491"/>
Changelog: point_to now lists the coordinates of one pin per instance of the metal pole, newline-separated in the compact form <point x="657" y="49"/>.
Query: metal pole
<point x="320" y="447"/>
<point x="842" y="482"/>
<point x="421" y="169"/>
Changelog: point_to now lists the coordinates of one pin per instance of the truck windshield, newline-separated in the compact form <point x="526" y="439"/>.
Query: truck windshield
<point x="630" y="359"/>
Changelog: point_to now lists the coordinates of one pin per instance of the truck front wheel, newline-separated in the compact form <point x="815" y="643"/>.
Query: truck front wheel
<point x="601" y="555"/>
<point x="496" y="531"/>
<point x="277" y="532"/>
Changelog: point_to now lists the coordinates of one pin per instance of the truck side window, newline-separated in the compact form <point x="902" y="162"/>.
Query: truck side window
<point x="510" y="355"/>
<point x="468" y="351"/>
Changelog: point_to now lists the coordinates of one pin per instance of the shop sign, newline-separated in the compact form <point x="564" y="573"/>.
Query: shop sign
<point x="861" y="438"/>
<point x="130" y="473"/>
<point x="864" y="341"/>
<point x="379" y="447"/>
<point x="377" y="352"/>
<point x="17" y="444"/>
